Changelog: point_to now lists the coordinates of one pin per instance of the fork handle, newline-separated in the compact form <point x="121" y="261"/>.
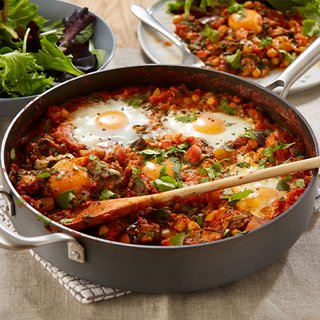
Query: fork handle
<point x="146" y="17"/>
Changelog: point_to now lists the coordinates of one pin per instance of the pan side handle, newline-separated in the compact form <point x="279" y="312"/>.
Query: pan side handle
<point x="307" y="59"/>
<point x="13" y="241"/>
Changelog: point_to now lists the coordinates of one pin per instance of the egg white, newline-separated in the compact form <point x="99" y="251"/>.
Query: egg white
<point x="233" y="126"/>
<point x="86" y="130"/>
<point x="264" y="192"/>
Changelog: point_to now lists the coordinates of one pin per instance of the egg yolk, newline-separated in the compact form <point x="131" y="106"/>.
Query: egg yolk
<point x="209" y="125"/>
<point x="152" y="170"/>
<point x="69" y="176"/>
<point x="259" y="200"/>
<point x="111" y="120"/>
<point x="249" y="20"/>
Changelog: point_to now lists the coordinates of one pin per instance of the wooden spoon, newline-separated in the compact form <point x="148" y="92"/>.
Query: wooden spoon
<point x="98" y="212"/>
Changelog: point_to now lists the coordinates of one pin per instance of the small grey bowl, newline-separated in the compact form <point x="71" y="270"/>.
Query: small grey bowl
<point x="54" y="10"/>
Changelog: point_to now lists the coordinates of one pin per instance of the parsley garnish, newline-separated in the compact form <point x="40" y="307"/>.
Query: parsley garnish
<point x="235" y="7"/>
<point x="66" y="220"/>
<point x="238" y="196"/>
<point x="300" y="183"/>
<point x="64" y="198"/>
<point x="225" y="107"/>
<point x="282" y="185"/>
<point x="43" y="175"/>
<point x="187" y="118"/>
<point x="138" y="99"/>
<point x="166" y="183"/>
<point x="212" y="34"/>
<point x="107" y="194"/>
<point x="265" y="42"/>
<point x="235" y="59"/>
<point x="212" y="172"/>
<point x="269" y="151"/>
<point x="249" y="134"/>
<point x="177" y="240"/>
<point x="13" y="154"/>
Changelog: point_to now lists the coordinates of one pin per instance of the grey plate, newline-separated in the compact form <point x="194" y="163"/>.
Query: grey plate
<point x="54" y="10"/>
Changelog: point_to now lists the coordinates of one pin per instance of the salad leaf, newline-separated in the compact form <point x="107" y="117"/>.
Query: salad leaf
<point x="235" y="59"/>
<point x="21" y="12"/>
<point x="64" y="198"/>
<point x="212" y="34"/>
<point x="309" y="9"/>
<point x="52" y="58"/>
<point x="310" y="28"/>
<point x="74" y="25"/>
<point x="16" y="71"/>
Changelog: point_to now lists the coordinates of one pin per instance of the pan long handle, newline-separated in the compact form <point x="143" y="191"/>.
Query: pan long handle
<point x="13" y="241"/>
<point x="295" y="70"/>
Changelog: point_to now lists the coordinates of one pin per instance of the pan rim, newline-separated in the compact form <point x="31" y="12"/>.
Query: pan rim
<point x="79" y="234"/>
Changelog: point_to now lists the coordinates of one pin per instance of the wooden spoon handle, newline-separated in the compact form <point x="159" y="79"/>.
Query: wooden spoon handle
<point x="238" y="180"/>
<point x="98" y="212"/>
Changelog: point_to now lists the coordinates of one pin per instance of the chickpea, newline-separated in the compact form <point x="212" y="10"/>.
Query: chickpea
<point x="187" y="100"/>
<point x="195" y="97"/>
<point x="212" y="101"/>
<point x="247" y="49"/>
<point x="256" y="73"/>
<point x="248" y="5"/>
<point x="275" y="61"/>
<point x="271" y="53"/>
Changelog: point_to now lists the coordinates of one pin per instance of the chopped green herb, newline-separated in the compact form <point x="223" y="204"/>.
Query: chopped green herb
<point x="310" y="28"/>
<point x="107" y="194"/>
<point x="235" y="59"/>
<point x="235" y="7"/>
<point x="138" y="99"/>
<point x="66" y="220"/>
<point x="13" y="154"/>
<point x="92" y="157"/>
<point x="262" y="163"/>
<point x="265" y="42"/>
<point x="200" y="219"/>
<point x="177" y="240"/>
<point x="43" y="175"/>
<point x="249" y="134"/>
<point x="225" y="107"/>
<point x="238" y="196"/>
<point x="300" y="183"/>
<point x="166" y="183"/>
<point x="64" y="198"/>
<point x="187" y="118"/>
<point x="212" y="34"/>
<point x="243" y="165"/>
<point x="289" y="56"/>
<point x="151" y="152"/>
<point x="282" y="185"/>
<point x="212" y="172"/>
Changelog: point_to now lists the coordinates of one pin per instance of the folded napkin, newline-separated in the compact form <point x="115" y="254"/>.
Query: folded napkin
<point x="83" y="291"/>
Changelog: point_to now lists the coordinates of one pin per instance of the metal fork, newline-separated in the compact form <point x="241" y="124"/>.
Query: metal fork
<point x="145" y="16"/>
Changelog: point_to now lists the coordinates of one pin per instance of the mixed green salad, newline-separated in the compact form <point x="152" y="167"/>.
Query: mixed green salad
<point x="35" y="54"/>
<point x="309" y="9"/>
